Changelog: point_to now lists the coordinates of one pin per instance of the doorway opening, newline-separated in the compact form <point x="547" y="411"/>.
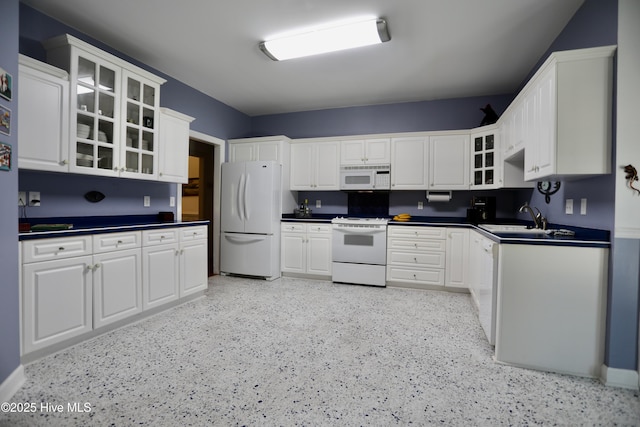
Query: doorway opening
<point x="197" y="194"/>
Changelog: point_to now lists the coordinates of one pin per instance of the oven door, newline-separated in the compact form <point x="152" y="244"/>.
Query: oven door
<point x="359" y="244"/>
<point x="357" y="179"/>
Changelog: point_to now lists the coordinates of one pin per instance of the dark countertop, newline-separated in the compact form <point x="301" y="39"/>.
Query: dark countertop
<point x="102" y="224"/>
<point x="584" y="237"/>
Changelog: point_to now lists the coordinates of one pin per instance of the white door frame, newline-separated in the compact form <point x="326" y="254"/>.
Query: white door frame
<point x="218" y="159"/>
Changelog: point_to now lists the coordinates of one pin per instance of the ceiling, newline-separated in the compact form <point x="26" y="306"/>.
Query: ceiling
<point x="438" y="49"/>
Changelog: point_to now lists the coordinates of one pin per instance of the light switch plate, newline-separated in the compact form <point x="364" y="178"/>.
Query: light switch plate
<point x="34" y="198"/>
<point x="318" y="204"/>
<point x="172" y="201"/>
<point x="583" y="206"/>
<point x="568" y="207"/>
<point x="146" y="201"/>
<point x="22" y="198"/>
<point x="420" y="205"/>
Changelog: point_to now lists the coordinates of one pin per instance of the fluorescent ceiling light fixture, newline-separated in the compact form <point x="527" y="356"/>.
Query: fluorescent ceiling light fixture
<point x="327" y="39"/>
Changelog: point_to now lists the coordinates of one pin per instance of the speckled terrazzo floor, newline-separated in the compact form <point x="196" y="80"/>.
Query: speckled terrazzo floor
<point x="313" y="353"/>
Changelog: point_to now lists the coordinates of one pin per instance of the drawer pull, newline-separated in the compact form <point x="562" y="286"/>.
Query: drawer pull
<point x="119" y="242"/>
<point x="61" y="248"/>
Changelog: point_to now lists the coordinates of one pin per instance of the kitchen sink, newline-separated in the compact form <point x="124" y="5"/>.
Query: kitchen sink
<point x="515" y="229"/>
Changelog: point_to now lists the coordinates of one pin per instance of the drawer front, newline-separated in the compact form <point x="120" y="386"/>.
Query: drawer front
<point x="159" y="237"/>
<point x="293" y="227"/>
<point x="50" y="249"/>
<point x="319" y="228"/>
<point x="417" y="244"/>
<point x="188" y="234"/>
<point x="419" y="259"/>
<point x="418" y="232"/>
<point x="116" y="241"/>
<point x="410" y="275"/>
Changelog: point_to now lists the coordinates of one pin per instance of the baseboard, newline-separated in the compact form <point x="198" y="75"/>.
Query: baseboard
<point x="623" y="378"/>
<point x="12" y="384"/>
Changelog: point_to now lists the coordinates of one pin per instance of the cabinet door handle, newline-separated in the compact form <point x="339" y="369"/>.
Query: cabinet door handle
<point x="64" y="162"/>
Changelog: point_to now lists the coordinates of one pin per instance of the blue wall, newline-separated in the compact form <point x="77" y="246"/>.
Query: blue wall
<point x="9" y="309"/>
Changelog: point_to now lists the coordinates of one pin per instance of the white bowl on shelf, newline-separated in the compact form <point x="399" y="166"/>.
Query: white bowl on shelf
<point x="83" y="130"/>
<point x="102" y="137"/>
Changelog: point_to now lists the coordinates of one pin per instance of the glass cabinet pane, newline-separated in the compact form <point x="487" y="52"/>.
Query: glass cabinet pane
<point x="488" y="178"/>
<point x="133" y="89"/>
<point x="106" y="105"/>
<point x="488" y="160"/>
<point x="477" y="144"/>
<point x="147" y="164"/>
<point x="147" y="141"/>
<point x="133" y="113"/>
<point x="147" y="118"/>
<point x="84" y="155"/>
<point x="86" y="72"/>
<point x="107" y="79"/>
<point x="149" y="96"/>
<point x="477" y="161"/>
<point x="489" y="142"/>
<point x="105" y="157"/>
<point x="133" y="140"/>
<point x="105" y="131"/>
<point x="132" y="161"/>
<point x="477" y="178"/>
<point x="86" y="99"/>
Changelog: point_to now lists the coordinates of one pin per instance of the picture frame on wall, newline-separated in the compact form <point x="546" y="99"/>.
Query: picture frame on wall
<point x="6" y="85"/>
<point x="5" y="157"/>
<point x="5" y="120"/>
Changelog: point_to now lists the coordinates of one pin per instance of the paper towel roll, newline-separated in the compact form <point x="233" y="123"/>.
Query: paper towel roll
<point x="438" y="197"/>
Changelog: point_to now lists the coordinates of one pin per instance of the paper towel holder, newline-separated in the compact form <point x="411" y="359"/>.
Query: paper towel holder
<point x="439" y="196"/>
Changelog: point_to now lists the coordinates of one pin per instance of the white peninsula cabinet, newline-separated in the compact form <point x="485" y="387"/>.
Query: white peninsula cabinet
<point x="306" y="249"/>
<point x="570" y="131"/>
<point x="354" y="152"/>
<point x="315" y="166"/>
<point x="114" y="111"/>
<point x="43" y="119"/>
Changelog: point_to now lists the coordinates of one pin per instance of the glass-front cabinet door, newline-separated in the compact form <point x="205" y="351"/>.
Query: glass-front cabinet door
<point x="95" y="108"/>
<point x="484" y="160"/>
<point x="139" y="152"/>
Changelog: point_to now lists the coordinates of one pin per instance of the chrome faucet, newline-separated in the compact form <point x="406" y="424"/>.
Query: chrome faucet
<point x="538" y="220"/>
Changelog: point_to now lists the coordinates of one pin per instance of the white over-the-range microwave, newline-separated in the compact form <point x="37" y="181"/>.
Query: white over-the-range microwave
<point x="365" y="177"/>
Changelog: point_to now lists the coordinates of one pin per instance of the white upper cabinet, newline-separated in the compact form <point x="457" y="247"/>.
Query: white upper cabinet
<point x="365" y="151"/>
<point x="315" y="166"/>
<point x="259" y="149"/>
<point x="43" y="116"/>
<point x="114" y="111"/>
<point x="409" y="160"/>
<point x="449" y="162"/>
<point x="568" y="133"/>
<point x="174" y="146"/>
<point x="485" y="159"/>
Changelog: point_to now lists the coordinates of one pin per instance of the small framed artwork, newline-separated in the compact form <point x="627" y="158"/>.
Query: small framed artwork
<point x="6" y="84"/>
<point x="5" y="120"/>
<point x="5" y="157"/>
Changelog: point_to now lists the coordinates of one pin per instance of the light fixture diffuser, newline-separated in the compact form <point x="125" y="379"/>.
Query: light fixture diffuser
<point x="327" y="39"/>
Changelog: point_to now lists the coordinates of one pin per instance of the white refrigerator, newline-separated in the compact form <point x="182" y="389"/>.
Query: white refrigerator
<point x="250" y="213"/>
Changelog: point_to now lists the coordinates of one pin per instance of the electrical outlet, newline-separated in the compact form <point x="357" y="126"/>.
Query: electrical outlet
<point x="318" y="204"/>
<point x="22" y="198"/>
<point x="172" y="201"/>
<point x="34" y="198"/>
<point x="420" y="205"/>
<point x="583" y="206"/>
<point x="146" y="201"/>
<point x="568" y="207"/>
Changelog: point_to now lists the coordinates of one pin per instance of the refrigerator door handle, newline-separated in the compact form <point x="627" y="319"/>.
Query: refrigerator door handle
<point x="240" y="200"/>
<point x="246" y="200"/>
<point x="244" y="238"/>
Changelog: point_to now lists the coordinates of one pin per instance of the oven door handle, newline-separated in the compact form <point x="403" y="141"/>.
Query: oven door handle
<point x="359" y="230"/>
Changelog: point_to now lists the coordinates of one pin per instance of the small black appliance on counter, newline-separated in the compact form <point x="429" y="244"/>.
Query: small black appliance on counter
<point x="483" y="210"/>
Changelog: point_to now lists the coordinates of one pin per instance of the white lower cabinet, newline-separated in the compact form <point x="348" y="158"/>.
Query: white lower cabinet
<point x="424" y="256"/>
<point x="56" y="301"/>
<point x="73" y="285"/>
<point x="306" y="249"/>
<point x="457" y="258"/>
<point x="482" y="285"/>
<point x="416" y="255"/>
<point x="174" y="263"/>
